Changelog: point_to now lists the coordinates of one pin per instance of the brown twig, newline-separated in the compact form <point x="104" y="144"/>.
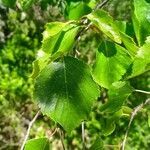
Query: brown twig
<point x="61" y="138"/>
<point x="134" y="113"/>
<point x="28" y="130"/>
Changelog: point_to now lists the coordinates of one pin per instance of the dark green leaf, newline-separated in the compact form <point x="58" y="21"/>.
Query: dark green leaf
<point x="38" y="144"/>
<point x="112" y="62"/>
<point x="9" y="3"/>
<point x="25" y="4"/>
<point x="117" y="94"/>
<point x="66" y="91"/>
<point x="126" y="110"/>
<point x="104" y="22"/>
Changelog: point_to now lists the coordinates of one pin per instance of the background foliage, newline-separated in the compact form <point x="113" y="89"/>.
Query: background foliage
<point x="20" y="38"/>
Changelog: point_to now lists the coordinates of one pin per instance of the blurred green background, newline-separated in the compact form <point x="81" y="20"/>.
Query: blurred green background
<point x="20" y="38"/>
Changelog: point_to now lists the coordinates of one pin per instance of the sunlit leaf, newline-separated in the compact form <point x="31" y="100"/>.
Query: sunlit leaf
<point x="141" y="20"/>
<point x="59" y="37"/>
<point x="112" y="62"/>
<point x="38" y="144"/>
<point x="9" y="3"/>
<point x="104" y="22"/>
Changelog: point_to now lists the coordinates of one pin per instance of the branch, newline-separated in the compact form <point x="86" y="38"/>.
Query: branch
<point x="134" y="113"/>
<point x="28" y="130"/>
<point x="83" y="135"/>
<point x="141" y="91"/>
<point x="100" y="5"/>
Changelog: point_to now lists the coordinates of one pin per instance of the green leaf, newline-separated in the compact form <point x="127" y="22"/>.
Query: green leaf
<point x="108" y="126"/>
<point x="38" y="144"/>
<point x="141" y="63"/>
<point x="129" y="44"/>
<point x="39" y="63"/>
<point x="59" y="37"/>
<point x="9" y="3"/>
<point x="112" y="62"/>
<point x="25" y="4"/>
<point x="126" y="110"/>
<point x="141" y="20"/>
<point x="104" y="22"/>
<point x="109" y="123"/>
<point x="97" y="145"/>
<point x="117" y="94"/>
<point x="126" y="39"/>
<point x="77" y="9"/>
<point x="66" y="91"/>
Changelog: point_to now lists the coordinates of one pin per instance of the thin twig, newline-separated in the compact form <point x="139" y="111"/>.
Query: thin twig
<point x="134" y="113"/>
<point x="56" y="129"/>
<point x="101" y="4"/>
<point x="141" y="91"/>
<point x="61" y="138"/>
<point x="83" y="135"/>
<point x="28" y="130"/>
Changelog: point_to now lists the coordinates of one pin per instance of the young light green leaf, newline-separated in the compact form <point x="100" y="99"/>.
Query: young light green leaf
<point x="38" y="144"/>
<point x="141" y="63"/>
<point x="112" y="62"/>
<point x="127" y="110"/>
<point x="104" y="22"/>
<point x="77" y="9"/>
<point x="117" y="94"/>
<point x="126" y="39"/>
<point x="39" y="63"/>
<point x="141" y="20"/>
<point x="59" y="37"/>
<point x="65" y="92"/>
